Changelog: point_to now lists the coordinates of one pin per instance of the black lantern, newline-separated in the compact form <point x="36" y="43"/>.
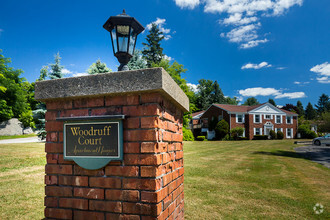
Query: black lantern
<point x="123" y="31"/>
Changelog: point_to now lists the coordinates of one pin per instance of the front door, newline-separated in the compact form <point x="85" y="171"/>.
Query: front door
<point x="268" y="127"/>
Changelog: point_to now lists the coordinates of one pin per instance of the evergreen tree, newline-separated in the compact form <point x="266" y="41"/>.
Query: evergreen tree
<point x="291" y="108"/>
<point x="217" y="95"/>
<point x="137" y="61"/>
<point x="300" y="108"/>
<point x="310" y="112"/>
<point x="98" y="67"/>
<point x="56" y="68"/>
<point x="153" y="52"/>
<point x="271" y="101"/>
<point x="43" y="73"/>
<point x="251" y="101"/>
<point x="323" y="104"/>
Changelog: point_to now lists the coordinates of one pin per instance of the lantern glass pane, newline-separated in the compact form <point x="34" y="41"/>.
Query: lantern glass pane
<point x="114" y="40"/>
<point x="122" y="34"/>
<point x="132" y="40"/>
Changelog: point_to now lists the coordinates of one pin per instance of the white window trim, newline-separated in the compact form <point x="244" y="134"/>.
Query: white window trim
<point x="271" y="116"/>
<point x="254" y="118"/>
<point x="286" y="133"/>
<point x="281" y="118"/>
<point x="254" y="131"/>
<point x="281" y="129"/>
<point x="243" y="118"/>
<point x="291" y="120"/>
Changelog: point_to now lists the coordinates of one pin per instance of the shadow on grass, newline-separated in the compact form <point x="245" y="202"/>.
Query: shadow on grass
<point x="281" y="153"/>
<point x="319" y="155"/>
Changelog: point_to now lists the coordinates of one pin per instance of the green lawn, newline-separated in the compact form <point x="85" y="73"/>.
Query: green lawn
<point x="252" y="180"/>
<point x="17" y="136"/>
<point x="22" y="169"/>
<point x="223" y="180"/>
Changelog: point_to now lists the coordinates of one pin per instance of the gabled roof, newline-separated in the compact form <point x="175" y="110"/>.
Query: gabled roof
<point x="246" y="109"/>
<point x="197" y="115"/>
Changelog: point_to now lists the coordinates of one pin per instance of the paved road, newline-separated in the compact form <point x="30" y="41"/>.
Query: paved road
<point x="20" y="140"/>
<point x="319" y="154"/>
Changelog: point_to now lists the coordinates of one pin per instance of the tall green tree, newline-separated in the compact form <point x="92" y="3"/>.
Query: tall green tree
<point x="137" y="61"/>
<point x="217" y="95"/>
<point x="56" y="68"/>
<point x="231" y="101"/>
<point x="300" y="108"/>
<point x="271" y="101"/>
<point x="204" y="96"/>
<point x="324" y="123"/>
<point x="310" y="112"/>
<point x="323" y="104"/>
<point x="98" y="67"/>
<point x="13" y="92"/>
<point x="251" y="101"/>
<point x="153" y="52"/>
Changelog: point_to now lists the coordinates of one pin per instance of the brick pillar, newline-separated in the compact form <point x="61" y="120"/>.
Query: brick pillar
<point x="148" y="182"/>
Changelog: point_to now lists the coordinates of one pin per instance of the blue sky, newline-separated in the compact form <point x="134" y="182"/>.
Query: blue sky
<point x="263" y="48"/>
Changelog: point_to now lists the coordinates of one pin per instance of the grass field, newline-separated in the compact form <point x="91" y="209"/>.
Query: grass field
<point x="223" y="180"/>
<point x="17" y="136"/>
<point x="252" y="180"/>
<point x="22" y="168"/>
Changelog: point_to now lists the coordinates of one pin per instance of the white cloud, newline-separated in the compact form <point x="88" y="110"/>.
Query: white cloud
<point x="66" y="71"/>
<point x="243" y="15"/>
<point x="323" y="71"/>
<point x="256" y="66"/>
<point x="79" y="74"/>
<point x="167" y="57"/>
<point x="259" y="91"/>
<point x="160" y="22"/>
<point x="291" y="95"/>
<point x="193" y="87"/>
<point x="253" y="43"/>
<point x="281" y="68"/>
<point x="187" y="3"/>
<point x="301" y="83"/>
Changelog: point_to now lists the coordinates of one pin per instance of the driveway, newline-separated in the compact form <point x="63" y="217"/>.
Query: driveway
<point x="319" y="154"/>
<point x="20" y="140"/>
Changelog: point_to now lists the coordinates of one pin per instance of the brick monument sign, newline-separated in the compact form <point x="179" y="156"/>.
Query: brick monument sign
<point x="132" y="119"/>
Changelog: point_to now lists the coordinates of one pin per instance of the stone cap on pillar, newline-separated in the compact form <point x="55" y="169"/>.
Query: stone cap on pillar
<point x="114" y="83"/>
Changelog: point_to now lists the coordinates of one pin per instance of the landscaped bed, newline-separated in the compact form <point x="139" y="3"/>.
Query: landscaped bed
<point x="229" y="180"/>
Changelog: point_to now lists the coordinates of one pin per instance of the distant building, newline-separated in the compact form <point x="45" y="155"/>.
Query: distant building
<point x="256" y="120"/>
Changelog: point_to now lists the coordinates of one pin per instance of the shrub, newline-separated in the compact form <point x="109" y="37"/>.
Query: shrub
<point x="279" y="135"/>
<point x="243" y="138"/>
<point x="200" y="138"/>
<point x="226" y="138"/>
<point x="27" y="119"/>
<point x="260" y="137"/>
<point x="272" y="134"/>
<point x="306" y="132"/>
<point x="222" y="129"/>
<point x="236" y="132"/>
<point x="187" y="134"/>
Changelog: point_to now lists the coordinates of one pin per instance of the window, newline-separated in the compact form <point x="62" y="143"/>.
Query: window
<point x="278" y="119"/>
<point x="257" y="131"/>
<point x="220" y="117"/>
<point x="278" y="129"/>
<point x="289" y="119"/>
<point x="256" y="118"/>
<point x="268" y="116"/>
<point x="239" y="118"/>
<point x="289" y="132"/>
